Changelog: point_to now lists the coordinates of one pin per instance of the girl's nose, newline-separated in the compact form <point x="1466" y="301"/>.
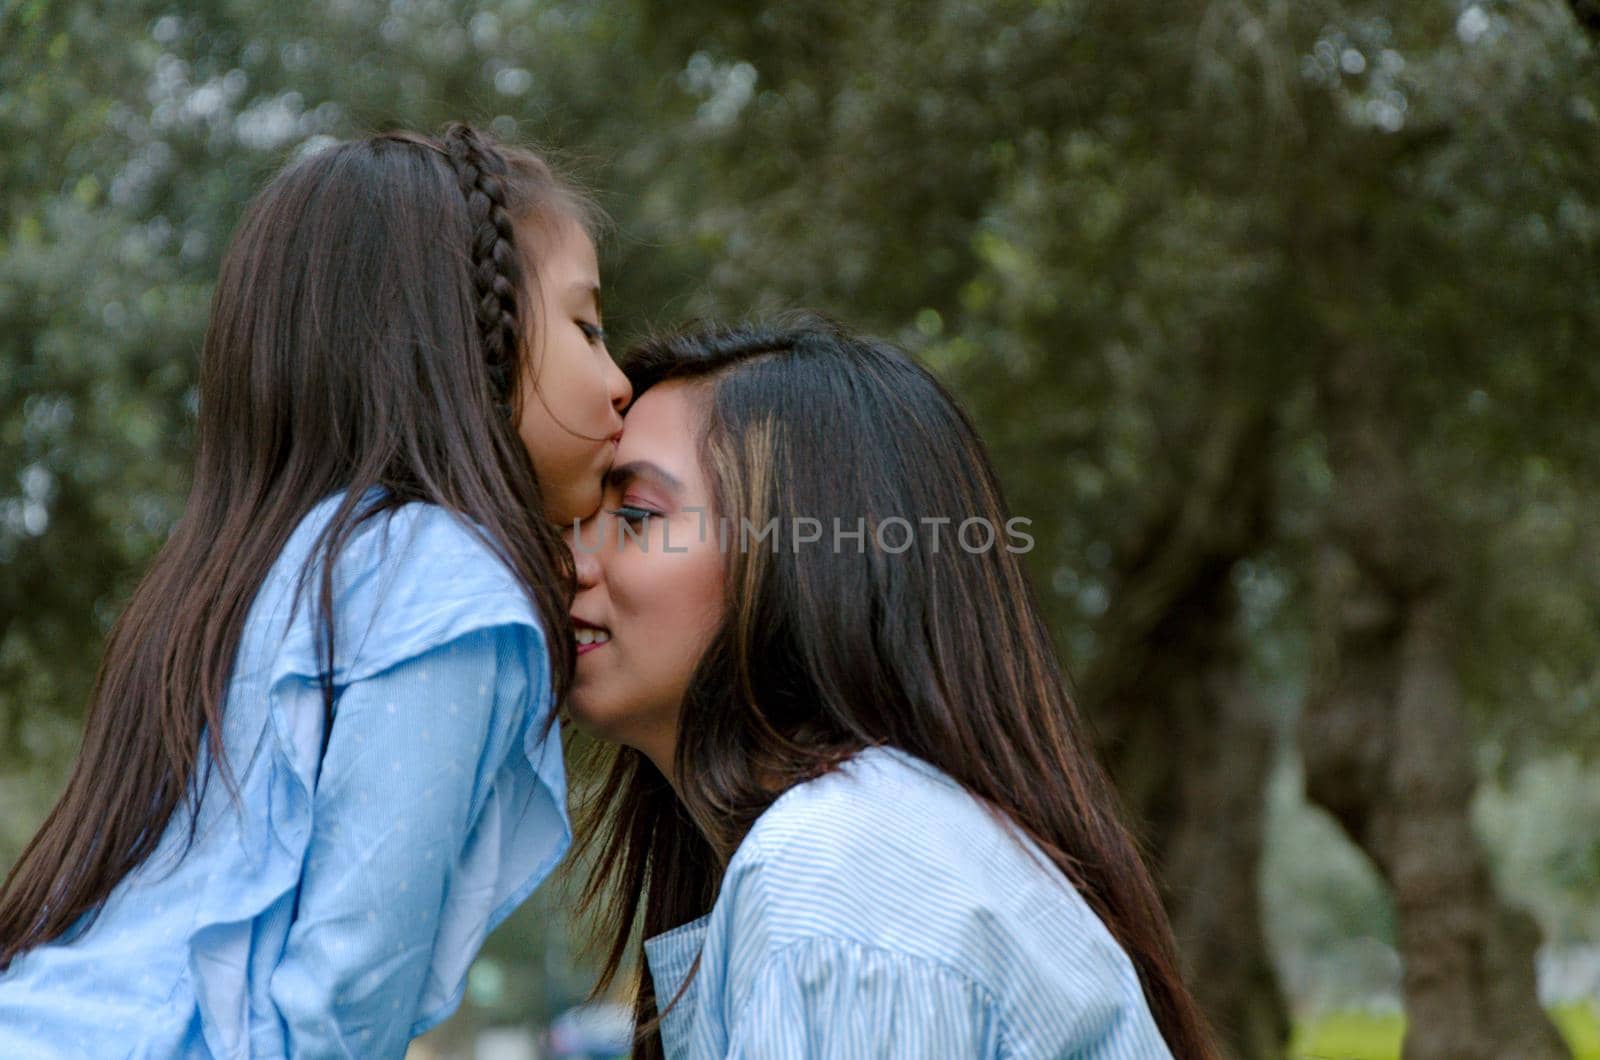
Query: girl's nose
<point x="584" y="544"/>
<point x="621" y="390"/>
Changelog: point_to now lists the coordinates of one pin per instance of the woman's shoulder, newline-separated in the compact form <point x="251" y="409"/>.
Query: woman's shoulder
<point x="882" y="798"/>
<point x="890" y="856"/>
<point x="888" y="836"/>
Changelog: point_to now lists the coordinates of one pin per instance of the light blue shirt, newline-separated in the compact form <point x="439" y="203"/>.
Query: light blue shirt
<point x="336" y="911"/>
<point x="881" y="911"/>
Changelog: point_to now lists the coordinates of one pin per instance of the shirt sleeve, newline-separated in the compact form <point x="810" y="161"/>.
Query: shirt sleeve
<point x="413" y="752"/>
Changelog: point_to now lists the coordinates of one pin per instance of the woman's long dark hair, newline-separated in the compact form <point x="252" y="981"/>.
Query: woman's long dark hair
<point x="824" y="651"/>
<point x="367" y="330"/>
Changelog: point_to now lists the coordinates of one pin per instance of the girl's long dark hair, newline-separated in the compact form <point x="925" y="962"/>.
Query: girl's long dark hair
<point x="824" y="651"/>
<point x="367" y="330"/>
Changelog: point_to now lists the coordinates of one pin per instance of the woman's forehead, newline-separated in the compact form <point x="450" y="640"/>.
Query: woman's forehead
<point x="661" y="427"/>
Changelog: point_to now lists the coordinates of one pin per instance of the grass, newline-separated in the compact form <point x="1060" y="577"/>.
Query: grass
<point x="1363" y="1036"/>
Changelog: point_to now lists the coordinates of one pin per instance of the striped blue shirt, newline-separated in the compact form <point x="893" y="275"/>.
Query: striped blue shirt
<point x="882" y="911"/>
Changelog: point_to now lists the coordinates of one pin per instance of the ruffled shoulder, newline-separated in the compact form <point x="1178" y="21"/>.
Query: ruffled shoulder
<point x="407" y="580"/>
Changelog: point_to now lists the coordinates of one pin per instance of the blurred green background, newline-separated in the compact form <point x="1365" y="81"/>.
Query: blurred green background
<point x="1282" y="320"/>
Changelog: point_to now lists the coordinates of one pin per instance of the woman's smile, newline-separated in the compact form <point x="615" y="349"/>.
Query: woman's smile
<point x="589" y="636"/>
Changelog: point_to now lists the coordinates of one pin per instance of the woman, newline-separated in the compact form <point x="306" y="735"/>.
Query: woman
<point x="852" y="803"/>
<point x="404" y="387"/>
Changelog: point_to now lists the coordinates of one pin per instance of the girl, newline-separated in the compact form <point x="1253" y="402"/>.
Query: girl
<point x="358" y="627"/>
<point x="853" y="808"/>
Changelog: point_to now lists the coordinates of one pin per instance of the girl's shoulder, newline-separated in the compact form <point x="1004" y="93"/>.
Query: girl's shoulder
<point x="417" y="539"/>
<point x="407" y="579"/>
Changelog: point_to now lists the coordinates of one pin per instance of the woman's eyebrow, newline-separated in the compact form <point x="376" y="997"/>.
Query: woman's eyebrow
<point x="621" y="474"/>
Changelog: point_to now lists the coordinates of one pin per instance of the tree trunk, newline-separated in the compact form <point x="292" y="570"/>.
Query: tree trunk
<point x="1385" y="739"/>
<point x="1189" y="748"/>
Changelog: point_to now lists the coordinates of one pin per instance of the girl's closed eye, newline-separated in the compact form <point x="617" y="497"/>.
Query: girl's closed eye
<point x="591" y="331"/>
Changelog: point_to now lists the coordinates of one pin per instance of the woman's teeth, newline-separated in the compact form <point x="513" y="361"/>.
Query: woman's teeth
<point x="592" y="636"/>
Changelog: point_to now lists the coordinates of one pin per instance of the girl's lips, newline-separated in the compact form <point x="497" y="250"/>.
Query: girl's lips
<point x="585" y="649"/>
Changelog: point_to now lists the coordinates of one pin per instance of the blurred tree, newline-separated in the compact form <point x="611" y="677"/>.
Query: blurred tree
<point x="92" y="404"/>
<point x="1386" y="734"/>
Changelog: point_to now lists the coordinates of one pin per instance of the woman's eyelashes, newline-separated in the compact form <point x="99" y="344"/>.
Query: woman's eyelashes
<point x="593" y="332"/>
<point x="632" y="514"/>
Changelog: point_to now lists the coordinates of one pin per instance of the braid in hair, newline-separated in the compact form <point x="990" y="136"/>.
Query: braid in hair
<point x="495" y="265"/>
